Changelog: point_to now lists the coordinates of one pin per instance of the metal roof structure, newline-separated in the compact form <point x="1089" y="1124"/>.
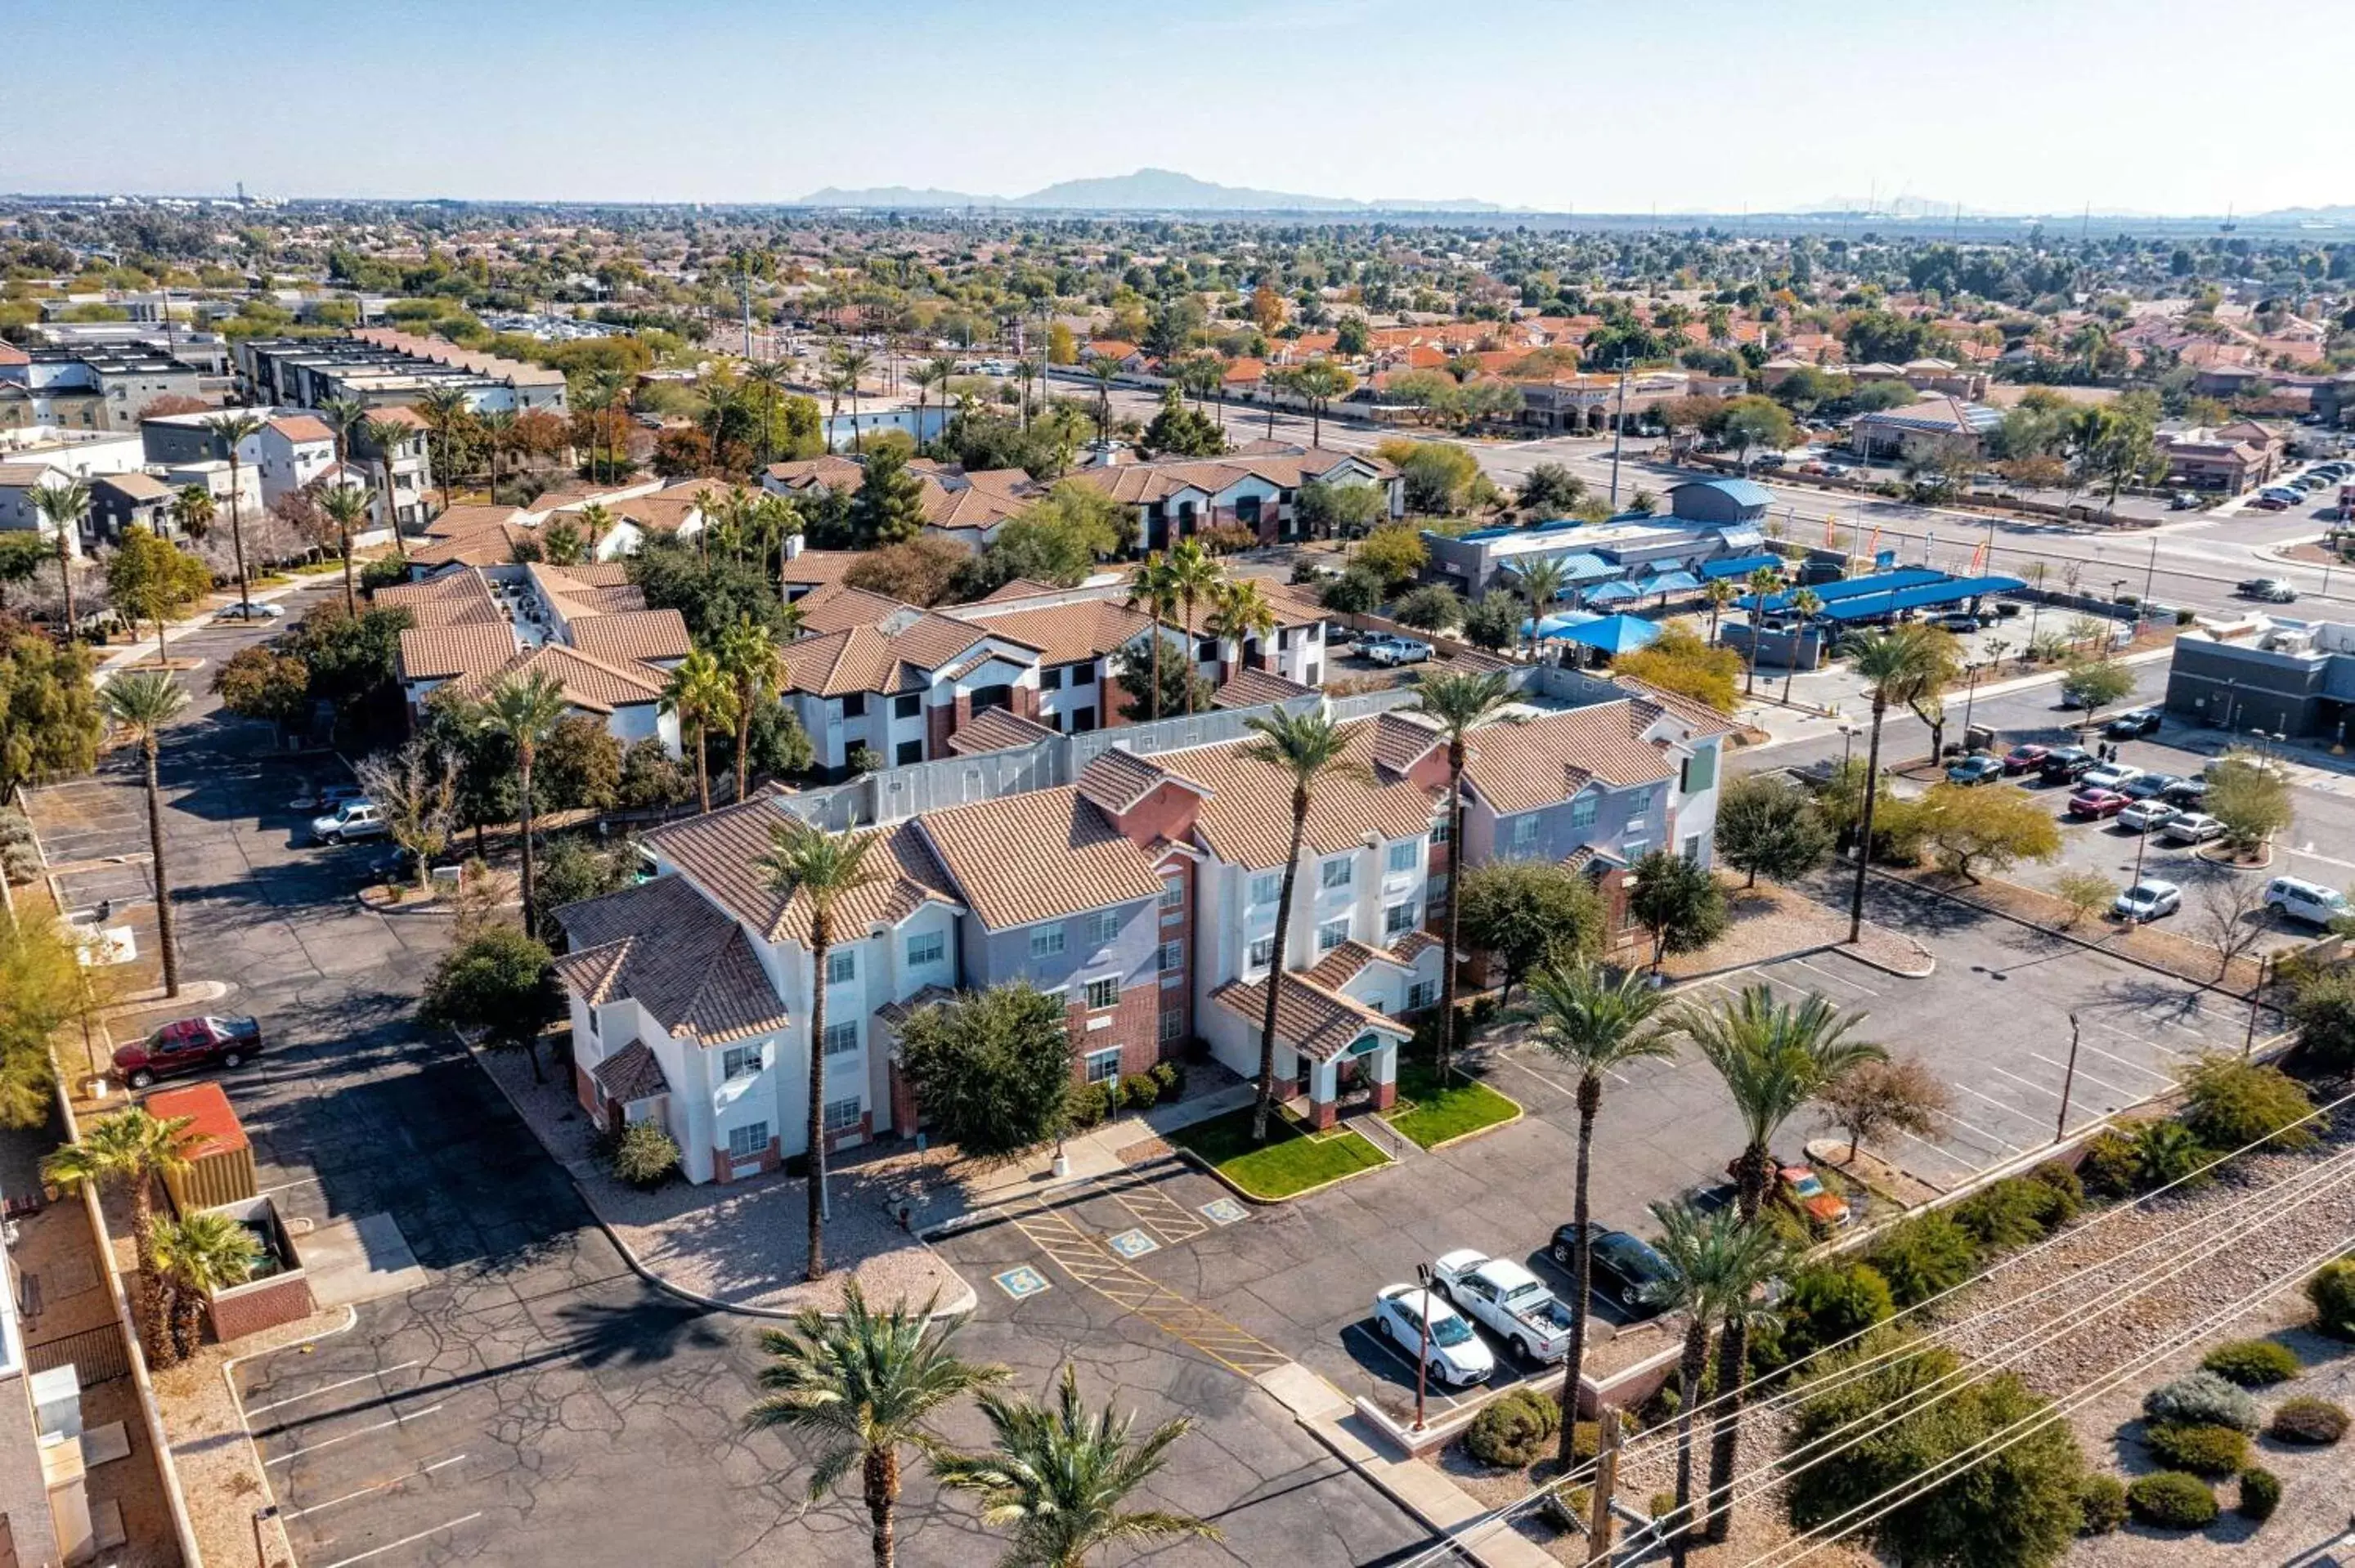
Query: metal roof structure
<point x="1615" y="634"/>
<point x="1739" y="565"/>
<point x="1851" y="587"/>
<point x="1950" y="590"/>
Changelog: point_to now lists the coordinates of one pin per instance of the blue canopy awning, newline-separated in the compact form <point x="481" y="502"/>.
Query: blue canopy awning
<point x="1851" y="587"/>
<point x="1919" y="596"/>
<point x="1579" y="566"/>
<point x="1671" y="582"/>
<point x="1613" y="593"/>
<point x="1556" y="625"/>
<point x="1740" y="566"/>
<point x="1615" y="634"/>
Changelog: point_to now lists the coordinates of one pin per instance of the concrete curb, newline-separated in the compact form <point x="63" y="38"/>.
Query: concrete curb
<point x="957" y="1307"/>
<point x="1220" y="1177"/>
<point x="245" y="1422"/>
<point x="1858" y="953"/>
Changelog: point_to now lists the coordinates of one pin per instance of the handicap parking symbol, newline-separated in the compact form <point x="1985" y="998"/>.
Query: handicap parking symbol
<point x="1224" y="1210"/>
<point x="1134" y="1245"/>
<point x="1022" y="1283"/>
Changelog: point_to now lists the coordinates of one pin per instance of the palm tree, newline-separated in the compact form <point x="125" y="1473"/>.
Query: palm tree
<point x="441" y="408"/>
<point x="193" y="510"/>
<point x="1716" y="1264"/>
<point x="1773" y="1057"/>
<point x="1458" y="703"/>
<point x="1804" y="605"/>
<point x="1193" y="573"/>
<point x="1239" y="613"/>
<point x="770" y="376"/>
<point x="62" y="507"/>
<point x="701" y="695"/>
<point x="143" y="701"/>
<point x="1057" y="1475"/>
<point x="1720" y="592"/>
<point x="1106" y="370"/>
<point x="346" y="506"/>
<point x="344" y="415"/>
<point x="1154" y="587"/>
<point x="932" y="375"/>
<point x="1309" y="748"/>
<point x="1898" y="666"/>
<point x="498" y="437"/>
<point x="864" y="1384"/>
<point x="525" y="709"/>
<point x="1320" y="381"/>
<point x="205" y="1252"/>
<point x="849" y="365"/>
<point x="748" y="654"/>
<point x="386" y="435"/>
<point x="1761" y="582"/>
<point x="130" y="1149"/>
<point x="720" y="401"/>
<point x="1543" y="579"/>
<point x="233" y="429"/>
<point x="821" y="869"/>
<point x="1594" y="1024"/>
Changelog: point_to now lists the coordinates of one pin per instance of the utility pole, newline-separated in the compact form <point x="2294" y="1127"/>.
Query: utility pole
<point x="2150" y="577"/>
<point x="2068" y="1081"/>
<point x="2256" y="993"/>
<point x="1618" y="431"/>
<point x="1607" y="1479"/>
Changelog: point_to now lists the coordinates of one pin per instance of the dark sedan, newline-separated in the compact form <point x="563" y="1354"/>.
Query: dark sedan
<point x="1623" y="1264"/>
<point x="188" y="1046"/>
<point x="2067" y="765"/>
<point x="2133" y="725"/>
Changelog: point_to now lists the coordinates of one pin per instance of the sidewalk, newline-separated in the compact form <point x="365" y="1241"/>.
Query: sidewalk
<point x="1092" y="1154"/>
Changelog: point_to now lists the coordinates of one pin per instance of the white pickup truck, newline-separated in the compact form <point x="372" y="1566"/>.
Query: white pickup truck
<point x="1389" y="648"/>
<point x="1508" y="1300"/>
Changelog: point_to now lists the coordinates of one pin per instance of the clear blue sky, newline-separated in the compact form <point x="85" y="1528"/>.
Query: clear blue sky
<point x="2004" y="105"/>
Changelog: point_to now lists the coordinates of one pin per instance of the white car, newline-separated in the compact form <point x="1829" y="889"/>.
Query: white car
<point x="1389" y="648"/>
<point x="1457" y="1354"/>
<point x="352" y="819"/>
<point x="2147" y="900"/>
<point x="2145" y="815"/>
<point x="2192" y="828"/>
<point x="2304" y="900"/>
<point x="1508" y="1300"/>
<point x="251" y="612"/>
<point x="2109" y="777"/>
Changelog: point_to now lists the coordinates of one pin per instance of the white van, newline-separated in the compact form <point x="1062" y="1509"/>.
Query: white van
<point x="2308" y="901"/>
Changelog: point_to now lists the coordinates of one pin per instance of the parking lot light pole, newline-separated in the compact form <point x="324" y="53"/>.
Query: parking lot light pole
<point x="1422" y="1357"/>
<point x="2068" y="1083"/>
<point x="2256" y="993"/>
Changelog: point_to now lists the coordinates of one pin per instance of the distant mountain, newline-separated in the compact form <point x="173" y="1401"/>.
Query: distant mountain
<point x="1146" y="190"/>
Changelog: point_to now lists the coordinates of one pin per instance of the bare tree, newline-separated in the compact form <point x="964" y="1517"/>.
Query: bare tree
<point x="2230" y="916"/>
<point x="1872" y="1100"/>
<point x="417" y="789"/>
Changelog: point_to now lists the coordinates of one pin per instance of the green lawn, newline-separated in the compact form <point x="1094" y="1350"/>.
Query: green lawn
<point x="1431" y="1113"/>
<point x="1292" y="1160"/>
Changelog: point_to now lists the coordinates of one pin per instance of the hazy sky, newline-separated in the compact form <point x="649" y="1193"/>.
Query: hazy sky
<point x="2004" y="105"/>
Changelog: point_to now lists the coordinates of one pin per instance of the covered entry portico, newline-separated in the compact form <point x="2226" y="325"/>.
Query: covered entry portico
<point x="1326" y="1043"/>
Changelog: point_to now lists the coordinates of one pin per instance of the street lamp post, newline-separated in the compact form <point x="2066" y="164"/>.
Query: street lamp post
<point x="2068" y="1083"/>
<point x="1422" y="1358"/>
<point x="1970" y="696"/>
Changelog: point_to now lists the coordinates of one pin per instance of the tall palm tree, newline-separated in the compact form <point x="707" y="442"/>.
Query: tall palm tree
<point x="233" y="429"/>
<point x="386" y="437"/>
<point x="1154" y="587"/>
<point x="770" y="376"/>
<point x="1458" y="703"/>
<point x="865" y="1386"/>
<point x="703" y="697"/>
<point x="1898" y="666"/>
<point x="525" y="709"/>
<point x="748" y="654"/>
<point x="1308" y="748"/>
<point x="1718" y="593"/>
<point x="932" y="375"/>
<point x="141" y="701"/>
<point x="1595" y="1024"/>
<point x="1239" y="613"/>
<point x="1543" y="579"/>
<point x="821" y="869"/>
<point x="344" y="415"/>
<point x="130" y="1149"/>
<point x="204" y="1253"/>
<point x="193" y="510"/>
<point x="441" y="408"/>
<point x="347" y="508"/>
<point x="1804" y="605"/>
<point x="1766" y="580"/>
<point x="850" y="364"/>
<point x="62" y="507"/>
<point x="1106" y="370"/>
<point x="1193" y="573"/>
<point x="720" y="401"/>
<point x="774" y="520"/>
<point x="498" y="439"/>
<point x="1773" y="1057"/>
<point x="1716" y="1264"/>
<point x="1057" y="1476"/>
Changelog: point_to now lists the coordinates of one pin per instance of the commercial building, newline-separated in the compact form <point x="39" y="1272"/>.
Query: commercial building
<point x="2279" y="677"/>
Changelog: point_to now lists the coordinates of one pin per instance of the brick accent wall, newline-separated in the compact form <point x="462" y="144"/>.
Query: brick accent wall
<point x="723" y="1168"/>
<point x="584" y="1089"/>
<point x="250" y="1309"/>
<point x="1135" y="1029"/>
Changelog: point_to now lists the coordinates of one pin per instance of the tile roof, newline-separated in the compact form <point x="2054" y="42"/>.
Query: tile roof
<point x="719" y="851"/>
<point x="451" y="598"/>
<point x="588" y="681"/>
<point x="301" y="428"/>
<point x="633" y="634"/>
<point x="1247" y="820"/>
<point x="817" y="568"/>
<point x="588" y="574"/>
<point x="632" y="1072"/>
<point x="838" y="607"/>
<point x="444" y="653"/>
<point x="1520" y="767"/>
<point x="895" y="1014"/>
<point x="1068" y="633"/>
<point x="1346" y="962"/>
<point x="137" y="485"/>
<point x="1400" y="742"/>
<point x="1318" y="1024"/>
<point x="997" y="729"/>
<point x="664" y="945"/>
<point x="1036" y="856"/>
<point x="1249" y="688"/>
<point x="1698" y="716"/>
<point x="1117" y="779"/>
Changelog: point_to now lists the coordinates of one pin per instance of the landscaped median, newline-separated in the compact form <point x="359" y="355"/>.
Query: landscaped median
<point x="1431" y="1112"/>
<point x="1292" y="1161"/>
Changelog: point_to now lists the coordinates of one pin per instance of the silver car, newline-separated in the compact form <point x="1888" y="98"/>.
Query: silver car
<point x="2147" y="900"/>
<point x="2192" y="828"/>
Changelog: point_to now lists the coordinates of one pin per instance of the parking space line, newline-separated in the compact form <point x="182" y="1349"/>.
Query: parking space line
<point x="2049" y="1094"/>
<point x="1837" y="979"/>
<point x="2008" y="1110"/>
<point x="1170" y="1220"/>
<point x="404" y="1541"/>
<point x="2090" y="1078"/>
<point x="254" y="1410"/>
<point x="310" y="1449"/>
<point x="2160" y="1046"/>
<point x="369" y="1491"/>
<point x="1434" y="1389"/>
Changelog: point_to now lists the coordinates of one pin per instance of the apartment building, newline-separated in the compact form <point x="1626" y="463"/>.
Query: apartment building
<point x="386" y="368"/>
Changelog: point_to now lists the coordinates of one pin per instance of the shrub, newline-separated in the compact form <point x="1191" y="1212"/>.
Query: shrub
<point x="1926" y="1255"/>
<point x="2201" y="1399"/>
<point x="645" y="1156"/>
<point x="2006" y="1214"/>
<point x="2234" y="1103"/>
<point x="1171" y="1076"/>
<point x="2068" y="1191"/>
<point x="2261" y="1492"/>
<point x="2252" y="1363"/>
<point x="1828" y="1304"/>
<point x="2332" y="1291"/>
<point x="2166" y="1152"/>
<point x="1139" y="1091"/>
<point x="2103" y="1504"/>
<point x="1514" y="1430"/>
<point x="2172" y="1500"/>
<point x="1088" y="1104"/>
<point x="2202" y="1450"/>
<point x="2308" y="1421"/>
<point x="2108" y="1168"/>
<point x="1663" y="1504"/>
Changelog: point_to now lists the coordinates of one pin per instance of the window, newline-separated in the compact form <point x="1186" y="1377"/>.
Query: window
<point x="1173" y="890"/>
<point x="1083" y="674"/>
<point x="842" y="1039"/>
<point x="928" y="949"/>
<point x="1524" y="836"/>
<point x="908" y="706"/>
<point x="739" y="1061"/>
<point x="1700" y="771"/>
<point x="1634" y="849"/>
<point x="1045" y="941"/>
<point x="907" y="753"/>
<point x="1331" y="935"/>
<point x="1335" y="873"/>
<point x="855" y="706"/>
<point x="1443" y="831"/>
<point x="1104" y="927"/>
<point x="1103" y="993"/>
<point x="1263" y="953"/>
<point x="1693" y="849"/>
<point x="841" y="1116"/>
<point x="841" y="964"/>
<point x="1267" y="887"/>
<point x="1103" y="1066"/>
<point x="1398" y="919"/>
<point x="750" y="1140"/>
<point x="1582" y="809"/>
<point x="1173" y="954"/>
<point x="1402" y="855"/>
<point x="1435" y="892"/>
<point x="1082" y="720"/>
<point x="1421" y="995"/>
<point x="1050" y="680"/>
<point x="1173" y="1025"/>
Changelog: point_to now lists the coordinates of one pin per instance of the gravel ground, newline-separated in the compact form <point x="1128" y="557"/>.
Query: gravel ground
<point x="1771" y="922"/>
